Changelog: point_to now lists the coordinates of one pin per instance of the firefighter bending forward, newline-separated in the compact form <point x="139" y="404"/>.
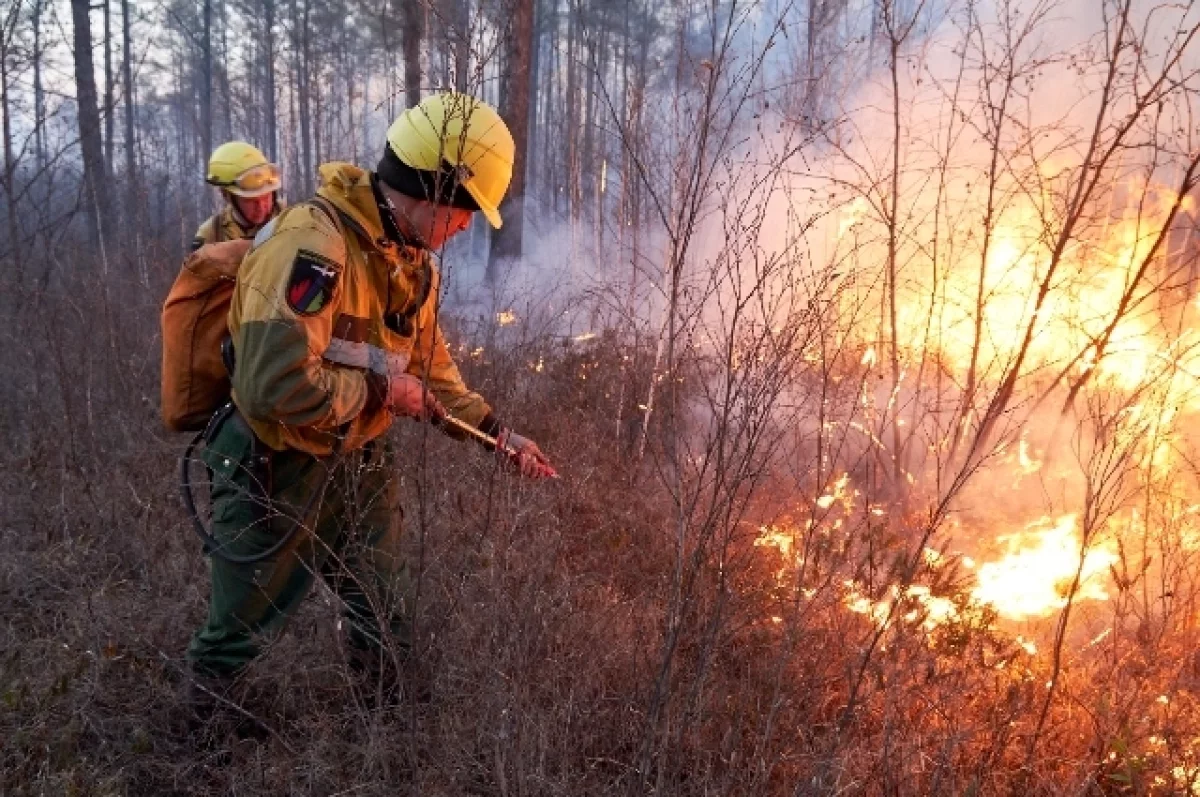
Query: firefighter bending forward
<point x="334" y="329"/>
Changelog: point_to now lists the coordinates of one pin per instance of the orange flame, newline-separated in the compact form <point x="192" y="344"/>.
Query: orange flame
<point x="1034" y="578"/>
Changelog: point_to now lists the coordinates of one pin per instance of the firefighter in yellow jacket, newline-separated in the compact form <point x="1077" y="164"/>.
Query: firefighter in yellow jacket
<point x="334" y="331"/>
<point x="250" y="185"/>
<point x="193" y="378"/>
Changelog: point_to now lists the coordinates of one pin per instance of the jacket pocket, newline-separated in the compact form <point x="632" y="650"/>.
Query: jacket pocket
<point x="240" y="486"/>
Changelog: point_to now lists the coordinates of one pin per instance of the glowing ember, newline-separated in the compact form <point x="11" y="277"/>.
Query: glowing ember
<point x="1034" y="579"/>
<point x="781" y="539"/>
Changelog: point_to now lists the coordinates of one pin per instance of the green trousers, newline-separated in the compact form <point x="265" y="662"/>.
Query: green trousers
<point x="349" y="533"/>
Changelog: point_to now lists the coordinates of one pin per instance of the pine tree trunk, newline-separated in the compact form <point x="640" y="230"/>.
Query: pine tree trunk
<point x="269" y="66"/>
<point x="536" y="133"/>
<point x="133" y="200"/>
<point x="550" y="152"/>
<point x="571" y="117"/>
<point x="127" y="75"/>
<point x="97" y="206"/>
<point x="414" y="24"/>
<point x="226" y="88"/>
<point x="462" y="44"/>
<point x="301" y="49"/>
<point x="206" y="67"/>
<point x="110" y="102"/>
<point x="13" y="247"/>
<point x="39" y="93"/>
<point x="514" y="107"/>
<point x="588" y="154"/>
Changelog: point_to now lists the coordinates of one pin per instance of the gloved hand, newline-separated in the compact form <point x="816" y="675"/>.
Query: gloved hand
<point x="525" y="454"/>
<point x="406" y="395"/>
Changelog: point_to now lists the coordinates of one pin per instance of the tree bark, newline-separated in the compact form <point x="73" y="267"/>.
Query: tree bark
<point x="7" y="32"/>
<point x="110" y="102"/>
<point x="414" y="31"/>
<point x="206" y="81"/>
<point x="269" y="67"/>
<point x="571" y="116"/>
<point x="462" y="44"/>
<point x="300" y="47"/>
<point x="514" y="108"/>
<point x="39" y="93"/>
<point x="127" y="74"/>
<point x="223" y="75"/>
<point x="97" y="208"/>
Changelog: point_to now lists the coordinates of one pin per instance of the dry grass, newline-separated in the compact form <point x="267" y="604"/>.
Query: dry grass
<point x="542" y="618"/>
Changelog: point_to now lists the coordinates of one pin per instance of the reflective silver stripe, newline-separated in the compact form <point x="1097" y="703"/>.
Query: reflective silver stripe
<point x="364" y="355"/>
<point x="345" y="352"/>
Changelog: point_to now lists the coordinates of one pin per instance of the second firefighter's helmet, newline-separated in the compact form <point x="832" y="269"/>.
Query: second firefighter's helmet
<point x="242" y="169"/>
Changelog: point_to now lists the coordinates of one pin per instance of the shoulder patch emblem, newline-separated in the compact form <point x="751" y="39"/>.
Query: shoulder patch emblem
<point x="312" y="282"/>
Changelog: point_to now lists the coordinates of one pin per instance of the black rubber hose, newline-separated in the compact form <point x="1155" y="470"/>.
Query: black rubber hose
<point x="211" y="543"/>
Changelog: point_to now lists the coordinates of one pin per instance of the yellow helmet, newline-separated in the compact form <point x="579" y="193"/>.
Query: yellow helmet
<point x="464" y="132"/>
<point x="242" y="169"/>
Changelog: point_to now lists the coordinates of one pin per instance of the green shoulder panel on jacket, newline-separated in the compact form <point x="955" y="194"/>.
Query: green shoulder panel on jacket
<point x="281" y="320"/>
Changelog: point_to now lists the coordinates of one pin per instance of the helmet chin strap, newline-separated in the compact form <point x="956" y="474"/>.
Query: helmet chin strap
<point x="388" y="213"/>
<point x="237" y="212"/>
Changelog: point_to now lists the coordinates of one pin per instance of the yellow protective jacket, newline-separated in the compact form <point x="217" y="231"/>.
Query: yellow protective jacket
<point x="325" y="303"/>
<point x="225" y="226"/>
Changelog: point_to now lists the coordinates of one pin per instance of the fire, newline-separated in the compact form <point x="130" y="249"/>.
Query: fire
<point x="1092" y="275"/>
<point x="917" y="602"/>
<point x="1034" y="578"/>
<point x="1031" y="580"/>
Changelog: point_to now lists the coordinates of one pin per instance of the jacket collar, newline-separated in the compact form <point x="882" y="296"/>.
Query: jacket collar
<point x="231" y="218"/>
<point x="349" y="189"/>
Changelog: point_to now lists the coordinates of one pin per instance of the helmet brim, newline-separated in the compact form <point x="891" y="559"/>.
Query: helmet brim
<point x="242" y="192"/>
<point x="490" y="212"/>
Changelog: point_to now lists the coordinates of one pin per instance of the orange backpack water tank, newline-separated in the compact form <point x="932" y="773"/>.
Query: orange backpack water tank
<point x="194" y="381"/>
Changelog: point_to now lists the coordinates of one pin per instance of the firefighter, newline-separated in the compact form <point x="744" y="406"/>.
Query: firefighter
<point x="334" y="331"/>
<point x="250" y="185"/>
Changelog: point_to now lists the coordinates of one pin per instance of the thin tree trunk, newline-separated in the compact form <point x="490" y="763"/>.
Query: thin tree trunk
<point x="132" y="183"/>
<point x="96" y="206"/>
<point x="301" y="50"/>
<point x="414" y="31"/>
<point x="13" y="249"/>
<point x="571" y="118"/>
<point x="536" y="133"/>
<point x="127" y="74"/>
<point x="226" y="99"/>
<point x="588" y="155"/>
<point x="269" y="66"/>
<point x="506" y="243"/>
<point x="550" y="152"/>
<point x="110" y="102"/>
<point x="39" y="93"/>
<point x="462" y="44"/>
<point x="206" y="81"/>
<point x="318" y="113"/>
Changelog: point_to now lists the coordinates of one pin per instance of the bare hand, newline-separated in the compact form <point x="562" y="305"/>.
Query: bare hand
<point x="408" y="396"/>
